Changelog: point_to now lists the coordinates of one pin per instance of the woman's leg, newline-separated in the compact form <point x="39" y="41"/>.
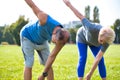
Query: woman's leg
<point x="101" y="65"/>
<point x="82" y="53"/>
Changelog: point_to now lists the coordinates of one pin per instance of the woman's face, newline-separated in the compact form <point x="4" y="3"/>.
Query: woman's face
<point x="102" y="36"/>
<point x="101" y="39"/>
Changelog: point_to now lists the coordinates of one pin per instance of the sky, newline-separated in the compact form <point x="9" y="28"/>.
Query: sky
<point x="10" y="10"/>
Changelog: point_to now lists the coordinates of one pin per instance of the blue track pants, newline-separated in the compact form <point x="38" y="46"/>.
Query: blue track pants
<point x="82" y="52"/>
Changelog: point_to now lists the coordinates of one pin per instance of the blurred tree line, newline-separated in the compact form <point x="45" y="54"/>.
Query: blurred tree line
<point x="11" y="33"/>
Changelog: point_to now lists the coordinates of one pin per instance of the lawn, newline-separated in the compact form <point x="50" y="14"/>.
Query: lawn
<point x="12" y="63"/>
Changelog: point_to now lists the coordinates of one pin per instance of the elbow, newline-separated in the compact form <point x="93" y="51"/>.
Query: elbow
<point x="52" y="57"/>
<point x="97" y="59"/>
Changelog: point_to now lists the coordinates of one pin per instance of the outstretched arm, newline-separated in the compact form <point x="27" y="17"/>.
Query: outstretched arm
<point x="39" y="13"/>
<point x="96" y="61"/>
<point x="51" y="59"/>
<point x="75" y="11"/>
<point x="52" y="56"/>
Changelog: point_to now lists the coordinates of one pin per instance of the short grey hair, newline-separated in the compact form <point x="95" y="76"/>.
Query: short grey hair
<point x="108" y="33"/>
<point x="60" y="34"/>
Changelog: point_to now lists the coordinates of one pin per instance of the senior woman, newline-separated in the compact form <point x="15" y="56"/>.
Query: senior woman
<point x="95" y="36"/>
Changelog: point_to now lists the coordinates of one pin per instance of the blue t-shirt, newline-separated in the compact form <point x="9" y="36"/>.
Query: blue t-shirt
<point x="37" y="33"/>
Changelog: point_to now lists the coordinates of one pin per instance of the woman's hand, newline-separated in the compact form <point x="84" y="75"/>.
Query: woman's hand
<point x="67" y="2"/>
<point x="88" y="76"/>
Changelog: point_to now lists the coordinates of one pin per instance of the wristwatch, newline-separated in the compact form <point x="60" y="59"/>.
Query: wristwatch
<point x="45" y="74"/>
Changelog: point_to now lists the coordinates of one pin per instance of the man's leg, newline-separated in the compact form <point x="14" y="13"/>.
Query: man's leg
<point x="43" y="53"/>
<point x="28" y="53"/>
<point x="43" y="57"/>
<point x="27" y="73"/>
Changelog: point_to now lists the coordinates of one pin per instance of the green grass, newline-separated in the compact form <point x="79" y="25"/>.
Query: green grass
<point x="12" y="63"/>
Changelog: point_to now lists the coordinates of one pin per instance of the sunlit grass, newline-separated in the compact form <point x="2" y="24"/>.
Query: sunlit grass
<point x="12" y="63"/>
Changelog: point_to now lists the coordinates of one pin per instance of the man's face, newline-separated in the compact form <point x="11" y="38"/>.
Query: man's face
<point x="64" y="40"/>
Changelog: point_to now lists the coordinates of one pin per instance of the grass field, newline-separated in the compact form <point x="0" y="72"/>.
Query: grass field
<point x="12" y="63"/>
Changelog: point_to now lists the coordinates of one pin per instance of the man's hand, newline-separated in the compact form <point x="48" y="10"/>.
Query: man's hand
<point x="41" y="78"/>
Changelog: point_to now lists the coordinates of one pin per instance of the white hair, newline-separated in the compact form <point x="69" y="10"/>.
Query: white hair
<point x="108" y="33"/>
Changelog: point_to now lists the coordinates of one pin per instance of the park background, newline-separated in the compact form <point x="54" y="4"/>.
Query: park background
<point x="15" y="14"/>
<point x="12" y="63"/>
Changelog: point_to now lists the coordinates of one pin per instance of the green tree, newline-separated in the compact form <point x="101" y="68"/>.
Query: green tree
<point x="96" y="15"/>
<point x="1" y="33"/>
<point x="73" y="35"/>
<point x="16" y="27"/>
<point x="78" y="26"/>
<point x="7" y="36"/>
<point x="117" y="30"/>
<point x="87" y="12"/>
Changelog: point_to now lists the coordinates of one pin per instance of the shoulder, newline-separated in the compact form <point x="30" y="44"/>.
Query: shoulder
<point x="51" y="21"/>
<point x="104" y="47"/>
<point x="85" y="22"/>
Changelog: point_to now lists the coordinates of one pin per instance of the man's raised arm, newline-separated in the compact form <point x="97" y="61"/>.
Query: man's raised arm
<point x="39" y="13"/>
